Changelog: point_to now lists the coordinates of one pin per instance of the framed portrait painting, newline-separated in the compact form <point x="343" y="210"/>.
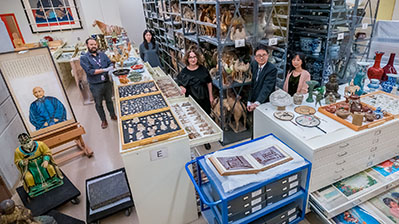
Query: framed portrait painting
<point x="51" y="15"/>
<point x="36" y="89"/>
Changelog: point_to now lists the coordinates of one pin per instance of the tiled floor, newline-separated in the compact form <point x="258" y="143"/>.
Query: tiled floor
<point x="105" y="145"/>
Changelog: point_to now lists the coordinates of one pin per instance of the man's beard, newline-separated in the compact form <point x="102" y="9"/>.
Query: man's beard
<point x="93" y="50"/>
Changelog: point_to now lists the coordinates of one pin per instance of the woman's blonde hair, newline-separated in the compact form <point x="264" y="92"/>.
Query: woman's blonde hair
<point x="194" y="49"/>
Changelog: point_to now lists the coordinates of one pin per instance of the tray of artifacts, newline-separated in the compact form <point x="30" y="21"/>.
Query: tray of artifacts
<point x="131" y="90"/>
<point x="169" y="88"/>
<point x="149" y="69"/>
<point x="355" y="114"/>
<point x="385" y="101"/>
<point x="139" y="105"/>
<point x="159" y="72"/>
<point x="200" y="127"/>
<point x="149" y="128"/>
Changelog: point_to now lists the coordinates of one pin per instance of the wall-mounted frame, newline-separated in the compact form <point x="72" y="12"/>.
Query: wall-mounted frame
<point x="28" y="72"/>
<point x="13" y="29"/>
<point x="51" y="15"/>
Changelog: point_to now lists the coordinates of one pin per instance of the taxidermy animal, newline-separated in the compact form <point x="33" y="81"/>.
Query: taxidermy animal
<point x="237" y="110"/>
<point x="237" y="29"/>
<point x="240" y="68"/>
<point x="107" y="29"/>
<point x="208" y="14"/>
<point x="225" y="21"/>
<point x="216" y="109"/>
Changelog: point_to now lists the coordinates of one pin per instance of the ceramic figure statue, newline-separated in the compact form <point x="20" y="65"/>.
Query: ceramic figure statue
<point x="376" y="71"/>
<point x="332" y="86"/>
<point x="319" y="95"/>
<point x="389" y="68"/>
<point x="36" y="164"/>
<point x="311" y="84"/>
<point x="360" y="77"/>
<point x="330" y="98"/>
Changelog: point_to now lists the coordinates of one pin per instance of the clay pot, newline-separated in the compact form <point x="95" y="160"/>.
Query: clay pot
<point x="376" y="71"/>
<point x="343" y="105"/>
<point x="331" y="109"/>
<point x="298" y="98"/>
<point x="370" y="116"/>
<point x="342" y="113"/>
<point x="389" y="68"/>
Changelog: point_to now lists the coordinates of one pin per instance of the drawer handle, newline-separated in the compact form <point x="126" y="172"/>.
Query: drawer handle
<point x="341" y="162"/>
<point x="342" y="154"/>
<point x="343" y="146"/>
<point x="377" y="132"/>
<point x="339" y="171"/>
<point x="338" y="178"/>
<point x="373" y="149"/>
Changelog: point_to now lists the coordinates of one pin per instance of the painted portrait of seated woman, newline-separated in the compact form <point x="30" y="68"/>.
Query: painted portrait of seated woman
<point x="45" y="110"/>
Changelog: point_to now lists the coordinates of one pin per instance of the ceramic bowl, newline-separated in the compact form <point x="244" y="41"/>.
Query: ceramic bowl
<point x="342" y="113"/>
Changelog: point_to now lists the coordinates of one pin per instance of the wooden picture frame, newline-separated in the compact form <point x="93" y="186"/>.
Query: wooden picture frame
<point x="51" y="15"/>
<point x="22" y="72"/>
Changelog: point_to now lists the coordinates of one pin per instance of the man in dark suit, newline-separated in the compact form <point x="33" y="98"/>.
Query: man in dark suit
<point x="264" y="76"/>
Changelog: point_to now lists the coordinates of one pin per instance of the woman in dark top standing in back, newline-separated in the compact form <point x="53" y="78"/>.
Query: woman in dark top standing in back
<point x="195" y="80"/>
<point x="149" y="49"/>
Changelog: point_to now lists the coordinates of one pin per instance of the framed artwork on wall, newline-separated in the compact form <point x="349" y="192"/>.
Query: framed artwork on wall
<point x="36" y="89"/>
<point x="51" y="15"/>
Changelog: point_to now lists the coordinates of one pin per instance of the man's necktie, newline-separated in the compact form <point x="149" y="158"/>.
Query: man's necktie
<point x="257" y="75"/>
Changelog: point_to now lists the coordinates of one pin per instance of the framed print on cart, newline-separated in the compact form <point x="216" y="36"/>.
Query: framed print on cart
<point x="51" y="15"/>
<point x="36" y="89"/>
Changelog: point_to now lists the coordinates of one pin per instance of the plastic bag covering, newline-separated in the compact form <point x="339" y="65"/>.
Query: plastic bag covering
<point x="233" y="182"/>
<point x="385" y="39"/>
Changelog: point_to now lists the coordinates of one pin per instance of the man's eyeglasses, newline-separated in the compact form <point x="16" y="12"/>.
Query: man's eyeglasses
<point x="261" y="56"/>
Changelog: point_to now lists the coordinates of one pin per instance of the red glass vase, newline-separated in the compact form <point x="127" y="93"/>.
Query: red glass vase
<point x="376" y="71"/>
<point x="389" y="69"/>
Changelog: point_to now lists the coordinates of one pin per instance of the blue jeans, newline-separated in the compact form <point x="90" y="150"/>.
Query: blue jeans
<point x="103" y="91"/>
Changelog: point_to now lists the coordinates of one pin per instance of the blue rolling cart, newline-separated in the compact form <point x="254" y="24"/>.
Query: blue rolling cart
<point x="276" y="199"/>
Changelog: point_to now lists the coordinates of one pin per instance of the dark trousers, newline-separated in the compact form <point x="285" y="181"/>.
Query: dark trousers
<point x="103" y="91"/>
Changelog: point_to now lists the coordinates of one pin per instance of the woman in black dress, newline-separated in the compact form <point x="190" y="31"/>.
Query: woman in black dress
<point x="195" y="80"/>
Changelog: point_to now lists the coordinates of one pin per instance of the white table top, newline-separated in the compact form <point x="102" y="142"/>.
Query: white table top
<point x="314" y="138"/>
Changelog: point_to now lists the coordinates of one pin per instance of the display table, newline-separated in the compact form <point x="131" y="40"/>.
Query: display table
<point x="339" y="153"/>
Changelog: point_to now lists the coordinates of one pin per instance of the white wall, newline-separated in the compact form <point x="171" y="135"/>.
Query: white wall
<point x="89" y="10"/>
<point x="132" y="16"/>
<point x="395" y="15"/>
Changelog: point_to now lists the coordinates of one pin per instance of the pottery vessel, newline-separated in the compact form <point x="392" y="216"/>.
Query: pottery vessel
<point x="354" y="104"/>
<point x="389" y="68"/>
<point x="331" y="108"/>
<point x="334" y="51"/>
<point x="357" y="118"/>
<point x="298" y="98"/>
<point x="388" y="85"/>
<point x="342" y="113"/>
<point x="370" y="116"/>
<point x="376" y="71"/>
<point x="306" y="44"/>
<point x="374" y="84"/>
<point x="316" y="46"/>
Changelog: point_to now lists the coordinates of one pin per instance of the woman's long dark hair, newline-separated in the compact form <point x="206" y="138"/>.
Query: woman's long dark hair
<point x="301" y="56"/>
<point x="152" y="39"/>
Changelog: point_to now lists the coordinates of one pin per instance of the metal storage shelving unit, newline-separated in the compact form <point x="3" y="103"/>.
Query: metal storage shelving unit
<point x="335" y="24"/>
<point x="175" y="37"/>
<point x="326" y="22"/>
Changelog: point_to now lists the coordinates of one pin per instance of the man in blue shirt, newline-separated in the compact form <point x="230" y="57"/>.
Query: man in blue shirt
<point x="97" y="65"/>
<point x="45" y="110"/>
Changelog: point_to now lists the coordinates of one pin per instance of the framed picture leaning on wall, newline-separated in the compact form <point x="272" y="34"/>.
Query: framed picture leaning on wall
<point x="36" y="89"/>
<point x="51" y="15"/>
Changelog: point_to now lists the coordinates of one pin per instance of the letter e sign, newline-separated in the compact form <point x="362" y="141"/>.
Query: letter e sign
<point x="157" y="154"/>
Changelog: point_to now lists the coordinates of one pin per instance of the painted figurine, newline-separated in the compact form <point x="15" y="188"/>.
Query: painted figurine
<point x="319" y="95"/>
<point x="36" y="164"/>
<point x="45" y="110"/>
<point x="332" y="86"/>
